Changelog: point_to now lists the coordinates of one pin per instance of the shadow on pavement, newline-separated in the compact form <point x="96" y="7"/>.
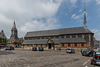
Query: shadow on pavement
<point x="6" y="52"/>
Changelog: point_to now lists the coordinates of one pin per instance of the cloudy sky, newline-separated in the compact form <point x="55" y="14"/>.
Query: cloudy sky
<point x="34" y="15"/>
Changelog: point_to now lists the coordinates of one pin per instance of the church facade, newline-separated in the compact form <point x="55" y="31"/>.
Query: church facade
<point x="76" y="37"/>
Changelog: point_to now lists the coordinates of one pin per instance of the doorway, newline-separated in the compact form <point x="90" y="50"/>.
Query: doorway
<point x="49" y="45"/>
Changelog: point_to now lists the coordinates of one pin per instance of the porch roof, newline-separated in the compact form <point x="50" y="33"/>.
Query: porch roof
<point x="55" y="41"/>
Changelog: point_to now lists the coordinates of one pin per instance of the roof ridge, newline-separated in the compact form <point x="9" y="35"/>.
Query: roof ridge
<point x="54" y="29"/>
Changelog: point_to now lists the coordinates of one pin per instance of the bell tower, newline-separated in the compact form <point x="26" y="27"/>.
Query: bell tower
<point x="14" y="32"/>
<point x="85" y="26"/>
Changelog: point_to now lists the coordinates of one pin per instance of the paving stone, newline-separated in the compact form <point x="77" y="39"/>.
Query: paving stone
<point x="21" y="58"/>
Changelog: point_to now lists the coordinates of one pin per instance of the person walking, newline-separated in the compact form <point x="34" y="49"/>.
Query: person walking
<point x="81" y="51"/>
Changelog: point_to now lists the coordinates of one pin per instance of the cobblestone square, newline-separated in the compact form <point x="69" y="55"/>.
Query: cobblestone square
<point x="50" y="58"/>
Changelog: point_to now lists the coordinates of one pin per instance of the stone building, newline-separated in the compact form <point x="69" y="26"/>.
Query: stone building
<point x="77" y="37"/>
<point x="3" y="39"/>
<point x="97" y="43"/>
<point x="14" y="40"/>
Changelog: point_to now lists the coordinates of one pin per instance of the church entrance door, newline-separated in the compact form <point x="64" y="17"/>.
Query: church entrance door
<point x="50" y="44"/>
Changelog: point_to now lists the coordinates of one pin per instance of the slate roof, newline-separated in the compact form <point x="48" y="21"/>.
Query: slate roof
<point x="56" y="41"/>
<point x="76" y="30"/>
<point x="41" y="41"/>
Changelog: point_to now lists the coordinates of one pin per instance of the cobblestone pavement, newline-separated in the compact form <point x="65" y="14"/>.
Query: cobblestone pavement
<point x="23" y="58"/>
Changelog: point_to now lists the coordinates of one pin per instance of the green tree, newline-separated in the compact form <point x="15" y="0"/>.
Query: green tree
<point x="0" y="40"/>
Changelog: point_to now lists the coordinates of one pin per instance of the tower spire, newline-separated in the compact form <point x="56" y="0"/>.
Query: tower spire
<point x="85" y="26"/>
<point x="14" y="26"/>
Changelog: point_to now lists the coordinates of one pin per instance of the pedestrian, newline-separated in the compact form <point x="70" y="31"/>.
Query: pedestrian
<point x="81" y="51"/>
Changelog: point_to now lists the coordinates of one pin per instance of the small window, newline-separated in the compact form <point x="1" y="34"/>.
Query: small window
<point x="62" y="36"/>
<point x="56" y="37"/>
<point x="34" y="38"/>
<point x="67" y="36"/>
<point x="52" y="37"/>
<point x="69" y="45"/>
<point x="62" y="44"/>
<point x="38" y="38"/>
<point x="42" y="37"/>
<point x="75" y="44"/>
<point x="36" y="45"/>
<point x="26" y="38"/>
<point x="73" y="36"/>
<point x="79" y="36"/>
<point x="41" y="44"/>
<point x="82" y="44"/>
<point x="47" y="37"/>
<point x="30" y="38"/>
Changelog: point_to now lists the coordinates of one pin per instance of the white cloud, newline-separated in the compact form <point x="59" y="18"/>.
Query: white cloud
<point x="36" y="25"/>
<point x="78" y="17"/>
<point x="28" y="14"/>
<point x="74" y="16"/>
<point x="98" y="2"/>
<point x="80" y="10"/>
<point x="96" y="33"/>
<point x="26" y="9"/>
<point x="73" y="1"/>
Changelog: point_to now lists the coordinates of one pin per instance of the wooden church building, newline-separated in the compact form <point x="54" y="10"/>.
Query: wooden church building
<point x="76" y="37"/>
